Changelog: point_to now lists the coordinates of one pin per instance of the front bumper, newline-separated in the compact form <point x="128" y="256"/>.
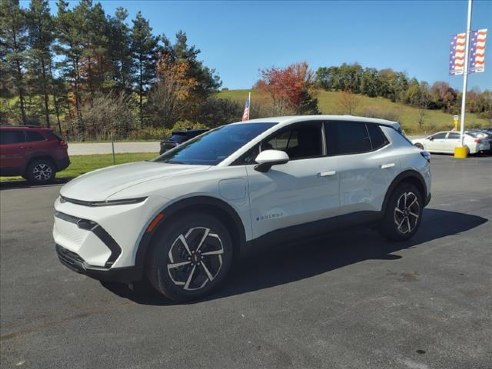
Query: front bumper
<point x="106" y="237"/>
<point x="74" y="262"/>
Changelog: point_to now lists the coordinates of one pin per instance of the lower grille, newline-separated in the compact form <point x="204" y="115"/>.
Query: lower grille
<point x="70" y="259"/>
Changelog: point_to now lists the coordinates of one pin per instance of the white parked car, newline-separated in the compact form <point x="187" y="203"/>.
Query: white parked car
<point x="445" y="142"/>
<point x="181" y="219"/>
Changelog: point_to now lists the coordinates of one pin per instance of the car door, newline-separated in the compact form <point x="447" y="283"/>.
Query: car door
<point x="12" y="151"/>
<point x="451" y="141"/>
<point x="366" y="165"/>
<point x="436" y="142"/>
<point x="303" y="190"/>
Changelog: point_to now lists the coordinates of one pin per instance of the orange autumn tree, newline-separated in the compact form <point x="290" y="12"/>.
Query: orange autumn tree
<point x="173" y="96"/>
<point x="291" y="89"/>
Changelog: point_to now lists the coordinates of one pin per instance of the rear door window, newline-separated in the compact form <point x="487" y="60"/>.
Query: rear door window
<point x="344" y="138"/>
<point x="11" y="137"/>
<point x="32" y="136"/>
<point x="454" y="136"/>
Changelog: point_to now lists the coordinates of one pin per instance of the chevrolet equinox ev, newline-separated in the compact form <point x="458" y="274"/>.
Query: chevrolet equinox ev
<point x="179" y="221"/>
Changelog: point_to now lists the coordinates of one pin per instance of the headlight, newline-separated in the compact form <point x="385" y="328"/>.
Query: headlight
<point x="103" y="203"/>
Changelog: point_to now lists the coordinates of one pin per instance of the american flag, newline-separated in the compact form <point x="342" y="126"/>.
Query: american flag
<point x="457" y="54"/>
<point x="246" y="109"/>
<point x="476" y="53"/>
<point x="477" y="50"/>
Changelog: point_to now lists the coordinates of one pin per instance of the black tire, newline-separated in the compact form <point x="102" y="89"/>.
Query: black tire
<point x="40" y="171"/>
<point x="192" y="271"/>
<point x="403" y="213"/>
<point x="420" y="146"/>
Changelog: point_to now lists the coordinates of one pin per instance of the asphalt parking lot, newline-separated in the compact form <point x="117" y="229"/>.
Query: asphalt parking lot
<point x="348" y="300"/>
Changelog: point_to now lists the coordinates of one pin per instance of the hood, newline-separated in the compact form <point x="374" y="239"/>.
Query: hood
<point x="102" y="183"/>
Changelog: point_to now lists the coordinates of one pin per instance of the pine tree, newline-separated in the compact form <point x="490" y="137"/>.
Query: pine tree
<point x="14" y="42"/>
<point x="119" y="51"/>
<point x="145" y="47"/>
<point x="41" y="36"/>
<point x="70" y="34"/>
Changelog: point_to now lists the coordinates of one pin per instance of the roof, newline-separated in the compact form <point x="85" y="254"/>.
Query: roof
<point x="298" y="118"/>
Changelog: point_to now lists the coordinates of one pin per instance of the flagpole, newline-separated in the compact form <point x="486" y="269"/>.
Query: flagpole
<point x="465" y="73"/>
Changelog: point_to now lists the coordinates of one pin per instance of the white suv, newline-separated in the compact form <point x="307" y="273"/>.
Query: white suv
<point x="181" y="219"/>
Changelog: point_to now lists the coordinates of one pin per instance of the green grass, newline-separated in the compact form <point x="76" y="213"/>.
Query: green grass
<point x="408" y="116"/>
<point x="81" y="164"/>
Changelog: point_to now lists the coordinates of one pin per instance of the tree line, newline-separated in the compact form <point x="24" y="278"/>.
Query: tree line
<point x="95" y="73"/>
<point x="90" y="75"/>
<point x="398" y="87"/>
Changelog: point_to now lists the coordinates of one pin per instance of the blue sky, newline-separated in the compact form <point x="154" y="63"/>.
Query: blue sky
<point x="238" y="38"/>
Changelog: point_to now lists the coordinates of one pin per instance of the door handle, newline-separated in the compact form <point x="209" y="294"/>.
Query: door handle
<point x="327" y="174"/>
<point x="386" y="166"/>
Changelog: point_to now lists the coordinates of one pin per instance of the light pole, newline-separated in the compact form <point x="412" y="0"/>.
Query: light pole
<point x="460" y="152"/>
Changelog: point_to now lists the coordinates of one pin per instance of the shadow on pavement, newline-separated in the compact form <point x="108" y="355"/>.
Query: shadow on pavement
<point x="284" y="263"/>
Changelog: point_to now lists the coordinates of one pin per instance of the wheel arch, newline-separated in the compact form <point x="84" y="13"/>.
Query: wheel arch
<point x="408" y="176"/>
<point x="206" y="204"/>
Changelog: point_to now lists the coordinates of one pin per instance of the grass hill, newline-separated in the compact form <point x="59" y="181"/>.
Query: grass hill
<point x="328" y="103"/>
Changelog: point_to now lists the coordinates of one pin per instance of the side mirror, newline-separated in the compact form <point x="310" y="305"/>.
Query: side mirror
<point x="266" y="159"/>
<point x="430" y="138"/>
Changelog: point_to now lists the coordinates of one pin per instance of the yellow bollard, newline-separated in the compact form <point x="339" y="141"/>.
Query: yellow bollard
<point x="460" y="152"/>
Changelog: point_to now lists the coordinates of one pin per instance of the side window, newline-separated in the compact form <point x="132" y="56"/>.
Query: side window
<point x="249" y="157"/>
<point x="300" y="141"/>
<point x="32" y="136"/>
<point x="347" y="138"/>
<point x="378" y="139"/>
<point x="439" y="136"/>
<point x="454" y="136"/>
<point x="283" y="141"/>
<point x="11" y="136"/>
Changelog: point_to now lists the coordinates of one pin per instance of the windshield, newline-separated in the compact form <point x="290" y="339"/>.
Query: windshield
<point x="214" y="146"/>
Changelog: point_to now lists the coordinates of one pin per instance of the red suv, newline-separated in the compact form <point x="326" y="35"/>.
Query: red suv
<point x="32" y="152"/>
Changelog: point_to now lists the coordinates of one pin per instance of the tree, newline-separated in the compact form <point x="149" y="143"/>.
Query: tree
<point x="443" y="96"/>
<point x="14" y="42"/>
<point x="348" y="102"/>
<point x="206" y="82"/>
<point x="144" y="52"/>
<point x="41" y="36"/>
<point x="119" y="51"/>
<point x="70" y="46"/>
<point x="290" y="89"/>
<point x="170" y="100"/>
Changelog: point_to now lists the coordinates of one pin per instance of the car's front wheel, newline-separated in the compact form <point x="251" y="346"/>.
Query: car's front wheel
<point x="190" y="257"/>
<point x="40" y="171"/>
<point x="403" y="213"/>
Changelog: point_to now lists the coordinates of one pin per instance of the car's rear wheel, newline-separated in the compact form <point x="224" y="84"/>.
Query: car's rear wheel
<point x="403" y="213"/>
<point x="190" y="257"/>
<point x="40" y="171"/>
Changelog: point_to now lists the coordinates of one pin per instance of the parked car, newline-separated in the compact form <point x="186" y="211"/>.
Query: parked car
<point x="445" y="142"/>
<point x="180" y="220"/>
<point x="482" y="134"/>
<point x="32" y="152"/>
<point x="179" y="137"/>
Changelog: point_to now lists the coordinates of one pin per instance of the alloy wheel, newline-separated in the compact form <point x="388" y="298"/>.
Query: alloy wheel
<point x="407" y="212"/>
<point x="195" y="258"/>
<point x="42" y="172"/>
